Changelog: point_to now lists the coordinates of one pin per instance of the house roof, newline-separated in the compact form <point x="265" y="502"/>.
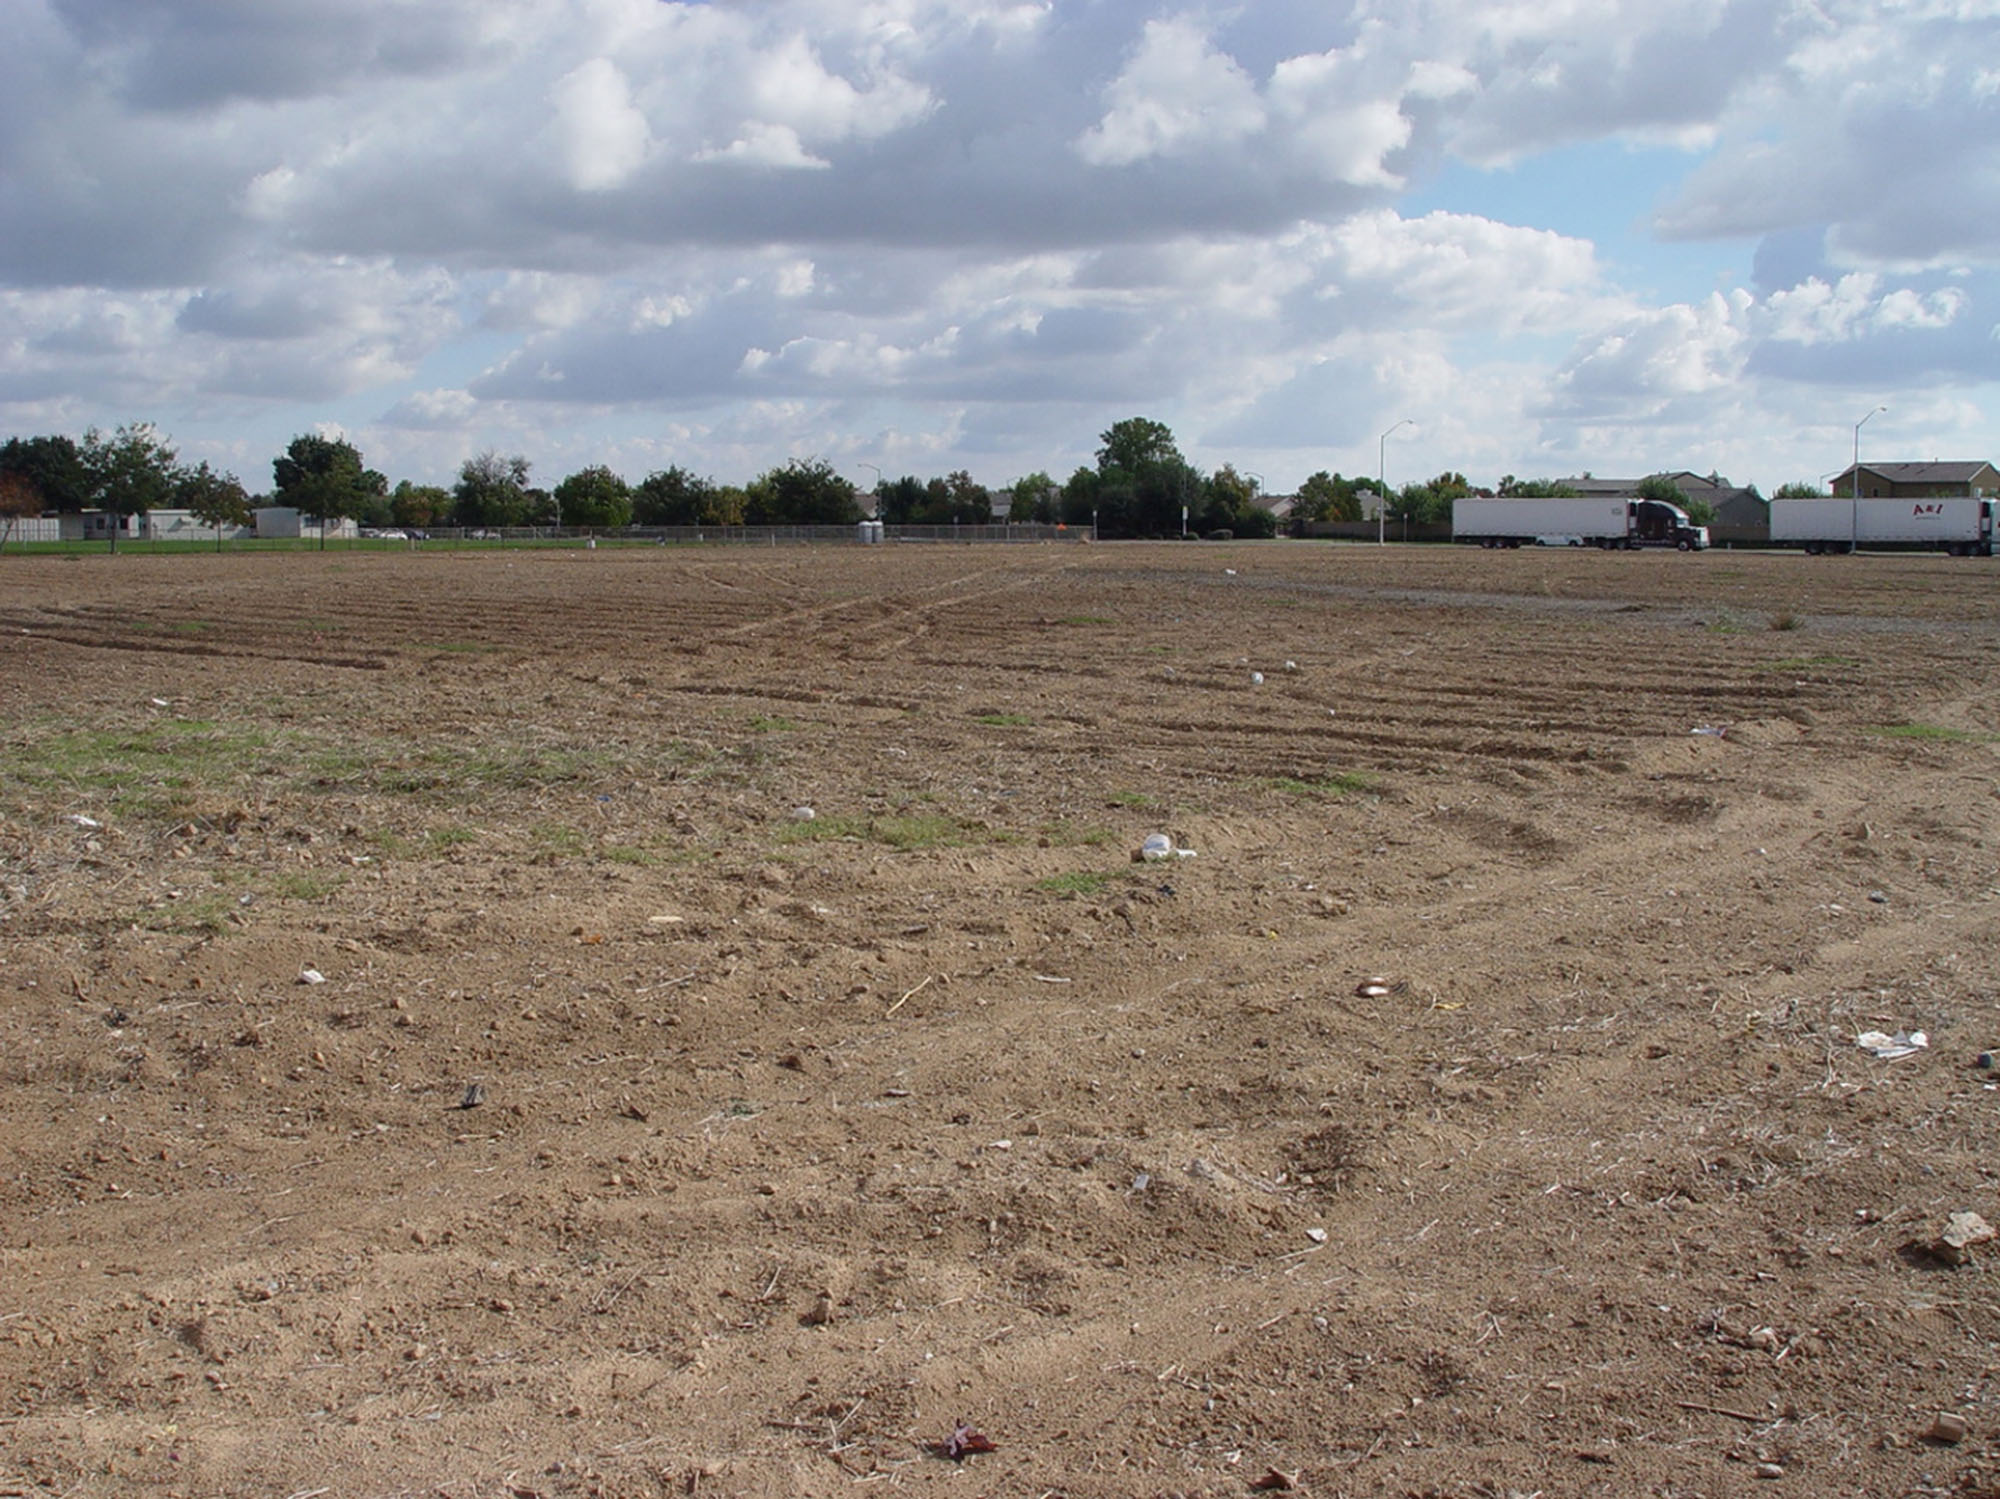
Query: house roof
<point x="1685" y="480"/>
<point x="1925" y="473"/>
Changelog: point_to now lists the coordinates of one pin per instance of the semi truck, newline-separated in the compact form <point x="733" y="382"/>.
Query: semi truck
<point x="1960" y="525"/>
<point x="1610" y="522"/>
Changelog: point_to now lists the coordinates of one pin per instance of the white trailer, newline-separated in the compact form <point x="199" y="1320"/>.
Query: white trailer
<point x="1599" y="522"/>
<point x="1962" y="526"/>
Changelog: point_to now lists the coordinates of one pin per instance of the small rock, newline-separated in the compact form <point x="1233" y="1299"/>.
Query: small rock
<point x="1949" y="1429"/>
<point x="1156" y="847"/>
<point x="1880" y="897"/>
<point x="473" y="1097"/>
<point x="1256" y="679"/>
<point x="1984" y="1061"/>
<point x="1963" y="1232"/>
<point x="803" y="814"/>
<point x="311" y="976"/>
<point x="1317" y="1235"/>
<point x="1769" y="1470"/>
<point x="1375" y="988"/>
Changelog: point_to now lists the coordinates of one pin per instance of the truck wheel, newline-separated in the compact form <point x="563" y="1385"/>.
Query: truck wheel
<point x="1683" y="546"/>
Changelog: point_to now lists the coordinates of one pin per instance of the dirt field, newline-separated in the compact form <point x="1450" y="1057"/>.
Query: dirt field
<point x="440" y="1056"/>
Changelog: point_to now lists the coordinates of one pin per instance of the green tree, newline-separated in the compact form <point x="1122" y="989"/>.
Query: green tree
<point x="594" y="497"/>
<point x="1034" y="497"/>
<point x="1135" y="444"/>
<point x="131" y="472"/>
<point x="1429" y="503"/>
<point x="324" y="477"/>
<point x="1799" y="489"/>
<point x="419" y="505"/>
<point x="900" y="502"/>
<point x="1144" y="482"/>
<point x="52" y="467"/>
<point x="214" y="499"/>
<point x="676" y="497"/>
<point x="1327" y="497"/>
<point x="968" y="503"/>
<point x="1512" y="488"/>
<point x="1079" y="497"/>
<point x="491" y="491"/>
<point x="1229" y="503"/>
<point x="805" y="492"/>
<point x="18" y="499"/>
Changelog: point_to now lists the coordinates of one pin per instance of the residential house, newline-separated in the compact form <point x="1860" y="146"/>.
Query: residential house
<point x="1918" y="480"/>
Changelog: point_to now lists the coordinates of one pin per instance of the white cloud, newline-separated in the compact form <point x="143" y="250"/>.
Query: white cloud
<point x="764" y="144"/>
<point x="1652" y="361"/>
<point x="604" y="137"/>
<point x="975" y="230"/>
<point x="1176" y="95"/>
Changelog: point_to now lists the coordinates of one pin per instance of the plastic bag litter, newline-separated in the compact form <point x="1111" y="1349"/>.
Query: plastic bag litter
<point x="1889" y="1048"/>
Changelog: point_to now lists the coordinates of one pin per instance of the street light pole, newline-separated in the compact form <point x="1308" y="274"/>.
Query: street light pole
<point x="1382" y="481"/>
<point x="1854" y="517"/>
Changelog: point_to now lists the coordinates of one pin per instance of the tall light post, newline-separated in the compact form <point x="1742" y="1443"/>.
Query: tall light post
<point x="1854" y="518"/>
<point x="1382" y="480"/>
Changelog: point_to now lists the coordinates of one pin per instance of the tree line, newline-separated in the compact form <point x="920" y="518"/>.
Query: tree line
<point x="1139" y="486"/>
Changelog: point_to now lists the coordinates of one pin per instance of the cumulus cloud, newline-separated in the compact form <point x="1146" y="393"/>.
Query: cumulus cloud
<point x="1175" y="95"/>
<point x="604" y="136"/>
<point x="927" y="226"/>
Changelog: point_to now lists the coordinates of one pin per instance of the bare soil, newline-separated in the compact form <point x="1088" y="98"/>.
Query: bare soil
<point x="1476" y="1109"/>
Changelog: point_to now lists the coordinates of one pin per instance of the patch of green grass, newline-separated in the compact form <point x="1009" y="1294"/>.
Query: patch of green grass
<point x="1004" y="720"/>
<point x="763" y="724"/>
<point x="1784" y="619"/>
<point x="305" y="885"/>
<point x="201" y="916"/>
<point x="1075" y="883"/>
<point x="1132" y="799"/>
<point x="394" y="845"/>
<point x="466" y="771"/>
<point x="558" y="838"/>
<point x="1808" y="663"/>
<point x="442" y="839"/>
<point x="191" y="626"/>
<point x="904" y="831"/>
<point x="1935" y="733"/>
<point x="1337" y="783"/>
<point x="1723" y="623"/>
<point x="160" y="768"/>
<point x="626" y="853"/>
<point x="1084" y="619"/>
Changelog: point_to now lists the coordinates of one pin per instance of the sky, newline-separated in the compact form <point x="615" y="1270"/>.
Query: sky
<point x="1529" y="237"/>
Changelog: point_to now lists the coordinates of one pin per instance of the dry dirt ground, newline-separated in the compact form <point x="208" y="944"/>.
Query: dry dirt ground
<point x="438" y="1056"/>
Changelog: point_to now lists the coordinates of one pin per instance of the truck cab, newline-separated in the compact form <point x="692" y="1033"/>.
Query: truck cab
<point x="1655" y="523"/>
